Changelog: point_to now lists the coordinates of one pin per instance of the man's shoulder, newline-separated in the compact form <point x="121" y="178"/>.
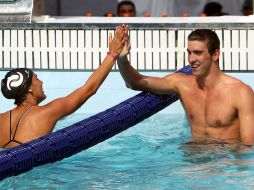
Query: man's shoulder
<point x="184" y="78"/>
<point x="181" y="76"/>
<point x="244" y="88"/>
<point x="233" y="82"/>
<point x="181" y="80"/>
<point x="178" y="78"/>
<point x="238" y="88"/>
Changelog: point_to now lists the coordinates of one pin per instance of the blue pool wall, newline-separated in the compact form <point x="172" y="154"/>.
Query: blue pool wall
<point x="112" y="91"/>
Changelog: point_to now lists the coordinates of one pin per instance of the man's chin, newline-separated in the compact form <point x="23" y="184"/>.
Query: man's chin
<point x="195" y="73"/>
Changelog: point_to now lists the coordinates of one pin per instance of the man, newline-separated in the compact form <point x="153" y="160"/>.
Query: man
<point x="212" y="8"/>
<point x="219" y="108"/>
<point x="28" y="120"/>
<point x="247" y="7"/>
<point x="126" y="9"/>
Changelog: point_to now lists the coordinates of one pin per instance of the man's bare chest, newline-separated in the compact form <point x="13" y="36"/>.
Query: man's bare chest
<point x="215" y="109"/>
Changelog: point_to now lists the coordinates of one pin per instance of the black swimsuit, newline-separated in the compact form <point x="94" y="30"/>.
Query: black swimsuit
<point x="12" y="139"/>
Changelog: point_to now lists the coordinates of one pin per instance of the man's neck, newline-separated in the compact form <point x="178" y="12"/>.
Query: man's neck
<point x="211" y="79"/>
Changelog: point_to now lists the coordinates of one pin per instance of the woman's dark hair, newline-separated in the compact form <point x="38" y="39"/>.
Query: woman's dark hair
<point x="16" y="83"/>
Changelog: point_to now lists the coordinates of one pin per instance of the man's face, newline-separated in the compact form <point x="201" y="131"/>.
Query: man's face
<point x="199" y="57"/>
<point x="126" y="11"/>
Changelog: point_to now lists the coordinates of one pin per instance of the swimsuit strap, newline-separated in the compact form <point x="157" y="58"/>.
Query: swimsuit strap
<point x="10" y="122"/>
<point x="20" y="119"/>
<point x="12" y="141"/>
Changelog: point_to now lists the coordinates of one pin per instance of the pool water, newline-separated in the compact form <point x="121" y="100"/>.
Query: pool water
<point x="150" y="155"/>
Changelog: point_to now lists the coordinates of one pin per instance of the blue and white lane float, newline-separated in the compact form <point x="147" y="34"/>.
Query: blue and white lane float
<point x="84" y="134"/>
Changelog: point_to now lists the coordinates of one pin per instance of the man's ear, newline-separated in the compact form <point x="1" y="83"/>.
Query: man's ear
<point x="216" y="55"/>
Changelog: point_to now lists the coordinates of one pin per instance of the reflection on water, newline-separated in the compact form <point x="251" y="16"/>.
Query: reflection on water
<point x="219" y="166"/>
<point x="202" y="153"/>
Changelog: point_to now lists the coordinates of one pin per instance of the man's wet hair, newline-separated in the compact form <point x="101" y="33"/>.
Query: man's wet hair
<point x="207" y="35"/>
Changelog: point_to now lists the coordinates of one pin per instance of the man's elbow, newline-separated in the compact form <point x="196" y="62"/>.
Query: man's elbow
<point x="90" y="92"/>
<point x="132" y="86"/>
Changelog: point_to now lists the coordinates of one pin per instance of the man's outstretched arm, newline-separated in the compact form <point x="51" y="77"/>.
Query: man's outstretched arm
<point x="137" y="81"/>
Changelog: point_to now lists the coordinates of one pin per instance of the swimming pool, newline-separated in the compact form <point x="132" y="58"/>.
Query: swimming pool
<point x="150" y="155"/>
